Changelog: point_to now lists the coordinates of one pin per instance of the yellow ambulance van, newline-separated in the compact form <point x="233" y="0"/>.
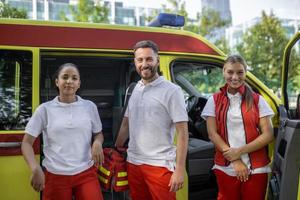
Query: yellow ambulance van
<point x="31" y="51"/>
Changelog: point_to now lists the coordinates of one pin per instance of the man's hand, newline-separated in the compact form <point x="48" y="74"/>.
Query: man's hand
<point x="241" y="170"/>
<point x="38" y="179"/>
<point x="176" y="181"/>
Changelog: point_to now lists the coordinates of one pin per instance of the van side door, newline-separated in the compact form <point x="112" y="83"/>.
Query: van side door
<point x="284" y="183"/>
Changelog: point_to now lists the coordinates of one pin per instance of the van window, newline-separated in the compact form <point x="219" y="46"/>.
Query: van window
<point x="293" y="82"/>
<point x="15" y="89"/>
<point x="198" y="79"/>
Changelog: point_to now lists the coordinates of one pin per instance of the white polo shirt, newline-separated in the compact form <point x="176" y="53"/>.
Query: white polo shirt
<point x="67" y="134"/>
<point x="235" y="127"/>
<point x="153" y="110"/>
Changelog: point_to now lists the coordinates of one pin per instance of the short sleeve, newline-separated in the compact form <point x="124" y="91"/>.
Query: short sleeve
<point x="176" y="107"/>
<point x="37" y="122"/>
<point x="96" y="121"/>
<point x="209" y="108"/>
<point x="264" y="108"/>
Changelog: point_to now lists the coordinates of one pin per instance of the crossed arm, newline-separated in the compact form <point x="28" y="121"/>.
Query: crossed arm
<point x="266" y="136"/>
<point x="234" y="154"/>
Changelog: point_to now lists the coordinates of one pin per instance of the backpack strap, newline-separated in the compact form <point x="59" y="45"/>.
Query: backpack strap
<point x="128" y="93"/>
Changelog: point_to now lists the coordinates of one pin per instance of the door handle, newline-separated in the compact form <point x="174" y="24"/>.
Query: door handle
<point x="10" y="144"/>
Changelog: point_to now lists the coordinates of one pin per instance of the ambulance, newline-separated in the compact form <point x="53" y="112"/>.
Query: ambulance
<point x="31" y="51"/>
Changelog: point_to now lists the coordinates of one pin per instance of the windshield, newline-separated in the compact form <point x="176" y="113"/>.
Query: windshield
<point x="197" y="78"/>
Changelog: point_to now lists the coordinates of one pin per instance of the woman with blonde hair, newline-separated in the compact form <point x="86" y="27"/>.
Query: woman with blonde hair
<point x="239" y="124"/>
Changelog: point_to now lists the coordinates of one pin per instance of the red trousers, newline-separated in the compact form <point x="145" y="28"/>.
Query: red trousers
<point x="148" y="182"/>
<point x="83" y="186"/>
<point x="230" y="188"/>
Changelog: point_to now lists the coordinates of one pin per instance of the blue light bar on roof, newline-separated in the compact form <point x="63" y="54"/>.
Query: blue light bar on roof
<point x="167" y="19"/>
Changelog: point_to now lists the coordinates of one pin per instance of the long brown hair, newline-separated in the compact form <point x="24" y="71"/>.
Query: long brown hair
<point x="248" y="91"/>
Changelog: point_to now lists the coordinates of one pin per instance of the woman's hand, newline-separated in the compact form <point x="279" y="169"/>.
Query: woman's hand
<point x="232" y="154"/>
<point x="97" y="153"/>
<point x="241" y="170"/>
<point x="38" y="179"/>
<point x="176" y="181"/>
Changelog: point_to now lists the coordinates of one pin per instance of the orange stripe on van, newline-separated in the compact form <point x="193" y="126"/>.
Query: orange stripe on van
<point x="93" y="38"/>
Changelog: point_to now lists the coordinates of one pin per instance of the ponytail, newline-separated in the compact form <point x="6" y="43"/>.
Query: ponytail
<point x="248" y="97"/>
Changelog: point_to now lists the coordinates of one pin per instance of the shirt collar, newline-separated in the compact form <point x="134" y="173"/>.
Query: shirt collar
<point x="78" y="102"/>
<point x="236" y="95"/>
<point x="153" y="83"/>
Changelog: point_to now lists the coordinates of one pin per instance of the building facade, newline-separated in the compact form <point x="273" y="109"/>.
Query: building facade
<point x="52" y="10"/>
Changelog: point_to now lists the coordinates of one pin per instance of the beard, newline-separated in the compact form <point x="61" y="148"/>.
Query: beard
<point x="148" y="73"/>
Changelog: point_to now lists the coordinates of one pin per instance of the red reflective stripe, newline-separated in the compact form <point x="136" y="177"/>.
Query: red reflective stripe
<point x="74" y="37"/>
<point x="13" y="151"/>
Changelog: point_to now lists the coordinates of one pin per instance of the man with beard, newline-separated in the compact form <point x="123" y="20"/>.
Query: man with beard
<point x="155" y="165"/>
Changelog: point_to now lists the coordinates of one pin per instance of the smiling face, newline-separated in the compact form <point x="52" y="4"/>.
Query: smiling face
<point x="68" y="81"/>
<point x="146" y="62"/>
<point x="235" y="75"/>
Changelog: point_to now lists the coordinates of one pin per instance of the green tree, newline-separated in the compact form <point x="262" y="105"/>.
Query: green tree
<point x="262" y="46"/>
<point x="177" y="7"/>
<point x="211" y="22"/>
<point x="6" y="11"/>
<point x="208" y="23"/>
<point x="293" y="83"/>
<point x="87" y="11"/>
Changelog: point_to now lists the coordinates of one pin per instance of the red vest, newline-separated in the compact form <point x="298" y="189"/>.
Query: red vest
<point x="250" y="118"/>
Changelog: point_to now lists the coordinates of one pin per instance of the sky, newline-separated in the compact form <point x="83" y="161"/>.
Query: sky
<point x="241" y="10"/>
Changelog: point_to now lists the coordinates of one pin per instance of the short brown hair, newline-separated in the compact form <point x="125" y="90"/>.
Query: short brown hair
<point x="146" y="44"/>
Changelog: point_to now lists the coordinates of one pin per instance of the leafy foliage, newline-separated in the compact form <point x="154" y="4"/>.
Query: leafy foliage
<point x="6" y="11"/>
<point x="209" y="24"/>
<point x="178" y="7"/>
<point x="210" y="20"/>
<point x="87" y="11"/>
<point x="262" y="47"/>
<point x="293" y="87"/>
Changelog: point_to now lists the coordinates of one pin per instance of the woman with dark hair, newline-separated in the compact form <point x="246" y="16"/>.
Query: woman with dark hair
<point x="72" y="138"/>
<point x="239" y="124"/>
